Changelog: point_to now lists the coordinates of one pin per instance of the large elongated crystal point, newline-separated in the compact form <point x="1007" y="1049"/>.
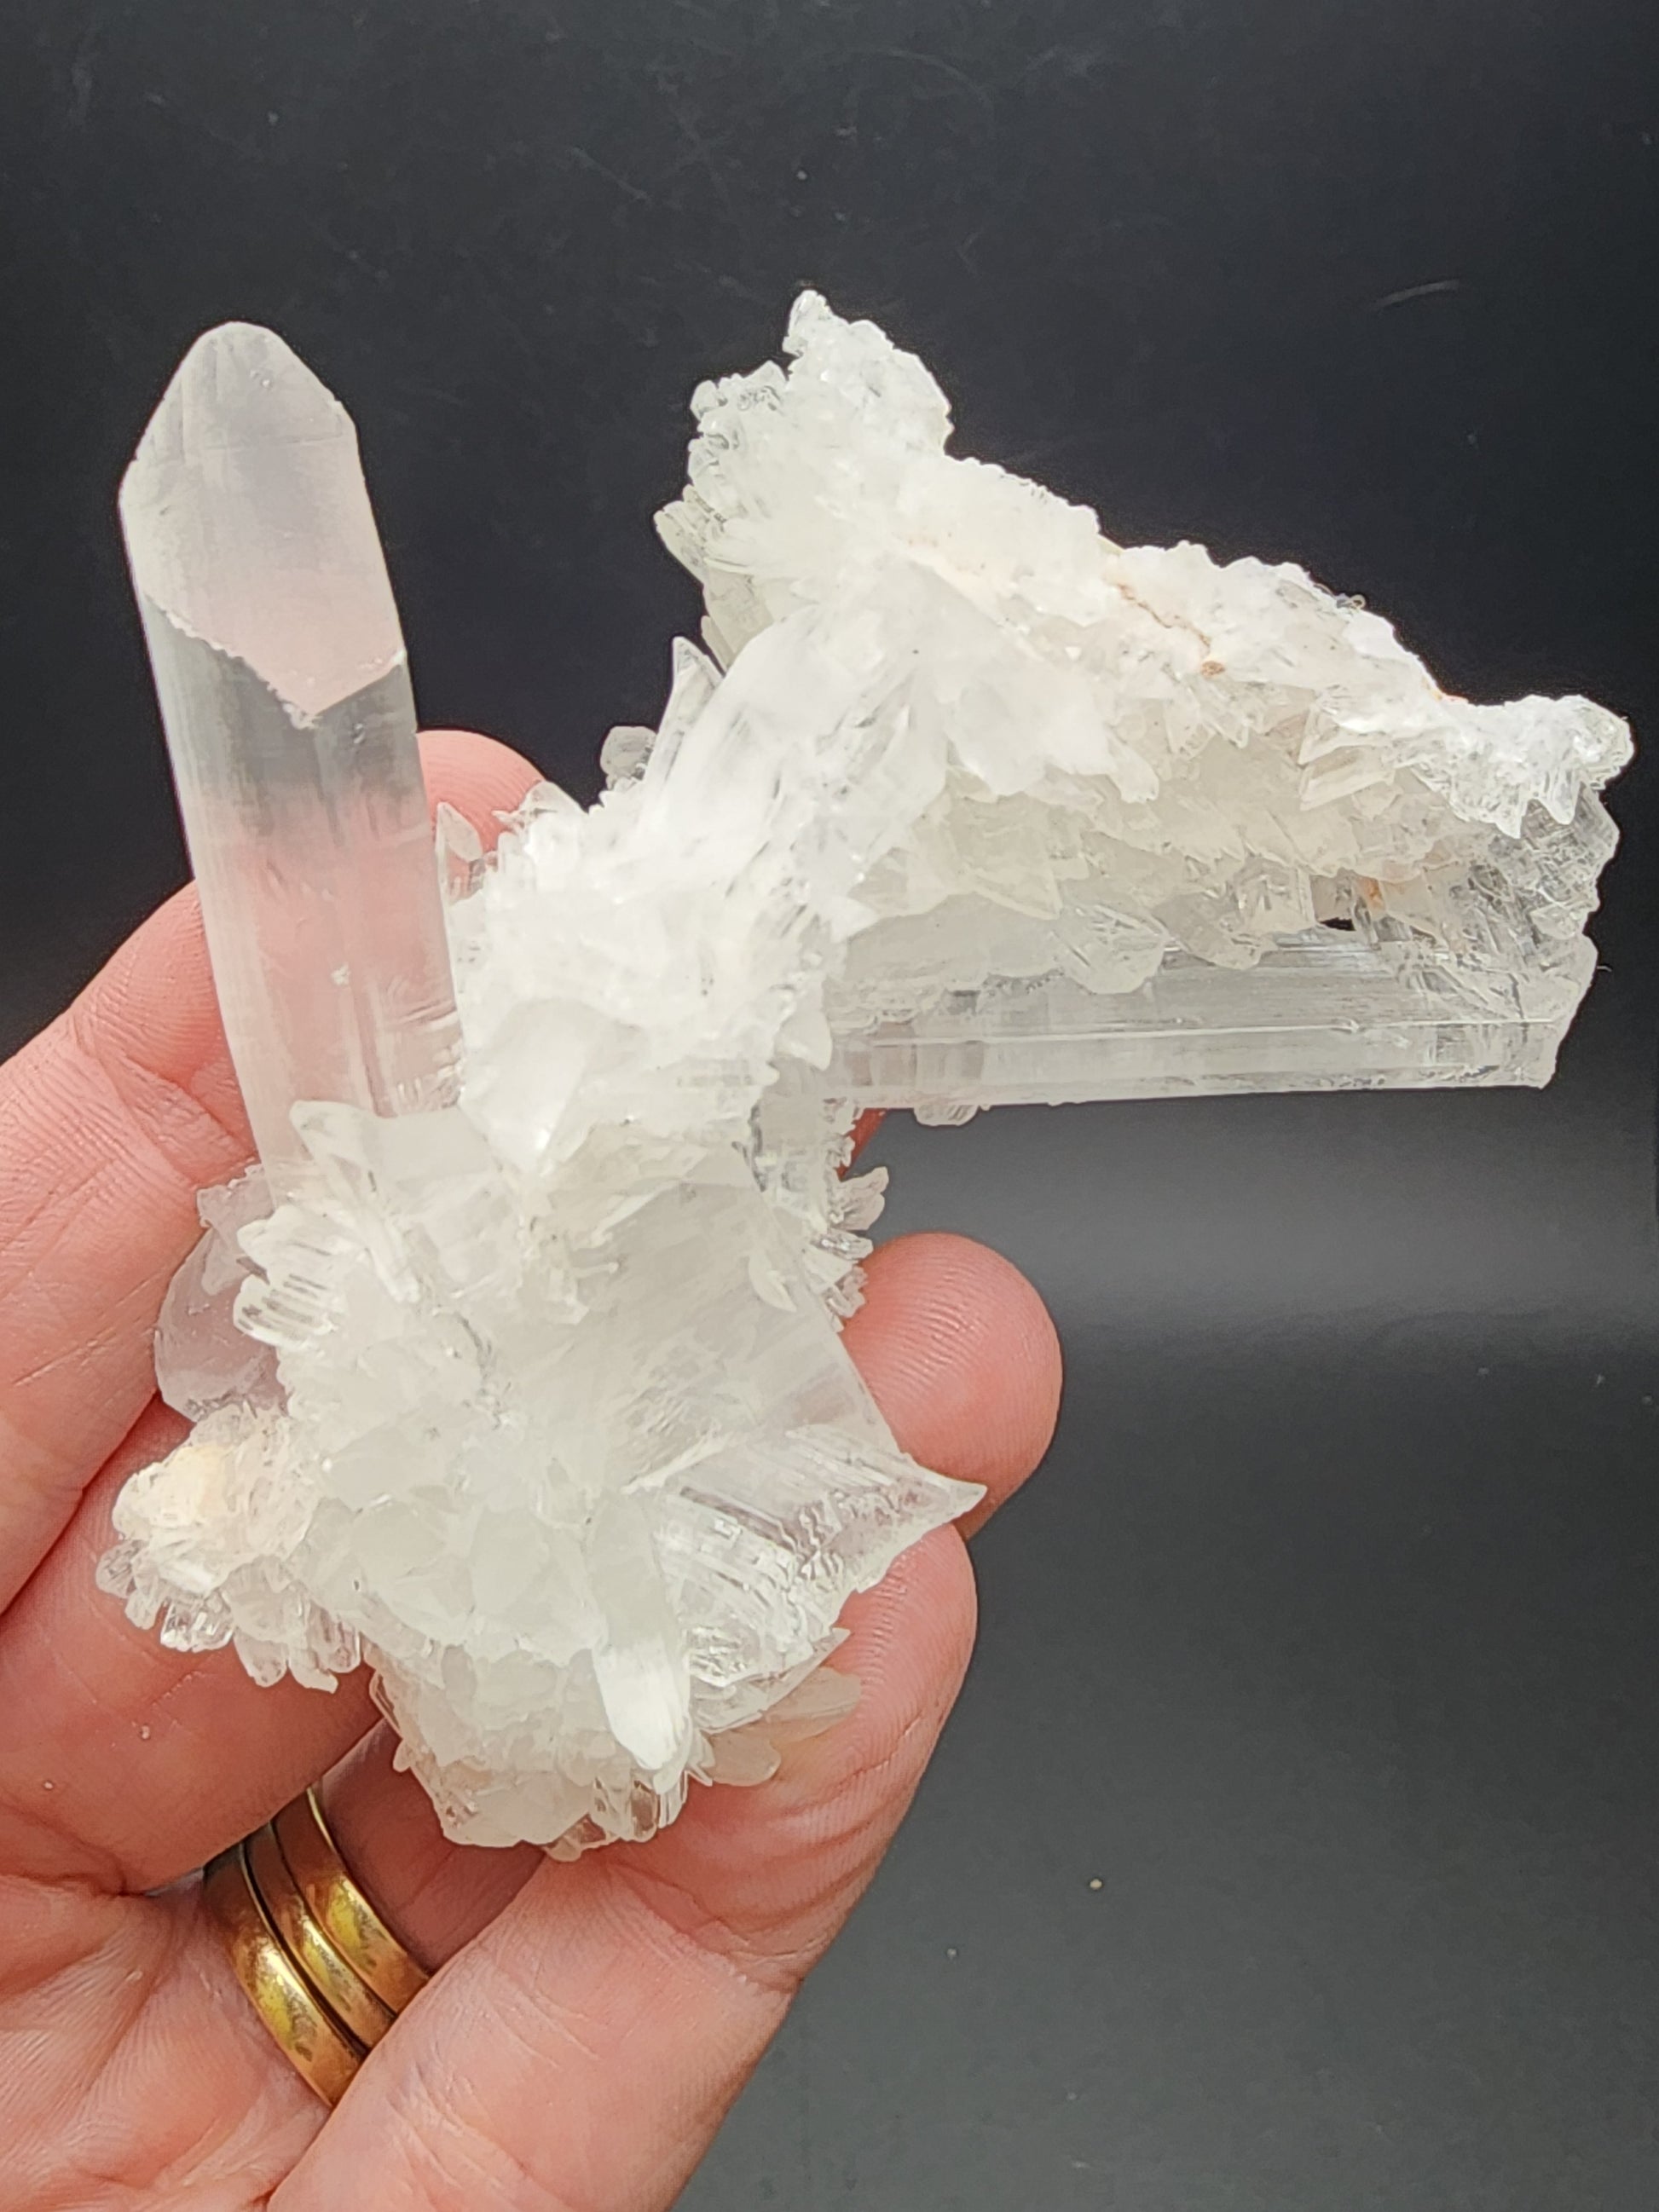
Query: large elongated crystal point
<point x="285" y="692"/>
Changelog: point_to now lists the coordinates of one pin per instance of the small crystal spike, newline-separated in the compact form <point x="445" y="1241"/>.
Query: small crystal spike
<point x="284" y="689"/>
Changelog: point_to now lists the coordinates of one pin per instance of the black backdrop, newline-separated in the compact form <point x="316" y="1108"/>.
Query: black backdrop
<point x="1326" y="1642"/>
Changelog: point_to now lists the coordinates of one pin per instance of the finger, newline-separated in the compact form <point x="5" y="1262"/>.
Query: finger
<point x="961" y="1356"/>
<point x="959" y="1353"/>
<point x="584" y="2047"/>
<point x="479" y="776"/>
<point x="123" y="1761"/>
<point x="111" y="1120"/>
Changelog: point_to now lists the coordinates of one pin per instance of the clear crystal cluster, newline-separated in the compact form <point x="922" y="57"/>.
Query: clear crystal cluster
<point x="515" y="1365"/>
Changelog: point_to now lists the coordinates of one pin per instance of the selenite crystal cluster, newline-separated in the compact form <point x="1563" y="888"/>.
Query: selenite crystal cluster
<point x="515" y="1363"/>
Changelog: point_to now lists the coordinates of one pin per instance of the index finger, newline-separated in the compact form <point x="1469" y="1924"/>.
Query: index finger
<point x="111" y="1120"/>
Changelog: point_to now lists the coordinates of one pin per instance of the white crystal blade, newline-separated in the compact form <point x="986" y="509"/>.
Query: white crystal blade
<point x="284" y="691"/>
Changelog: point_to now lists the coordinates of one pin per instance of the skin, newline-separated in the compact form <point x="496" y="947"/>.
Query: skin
<point x="593" y="2022"/>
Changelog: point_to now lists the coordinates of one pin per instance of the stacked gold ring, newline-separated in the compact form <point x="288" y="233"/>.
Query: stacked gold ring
<point x="326" y="1973"/>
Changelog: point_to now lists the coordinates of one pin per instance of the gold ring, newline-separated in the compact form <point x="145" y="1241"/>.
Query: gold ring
<point x="304" y="2028"/>
<point x="349" y="1998"/>
<point x="326" y="1973"/>
<point x="339" y="1907"/>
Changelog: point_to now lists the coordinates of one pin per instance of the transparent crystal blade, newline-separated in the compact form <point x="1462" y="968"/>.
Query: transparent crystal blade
<point x="284" y="690"/>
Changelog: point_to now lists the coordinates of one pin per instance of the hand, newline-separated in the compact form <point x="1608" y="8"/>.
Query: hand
<point x="593" y="2022"/>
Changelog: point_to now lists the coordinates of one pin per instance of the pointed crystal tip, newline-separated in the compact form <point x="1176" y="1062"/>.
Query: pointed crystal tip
<point x="248" y="525"/>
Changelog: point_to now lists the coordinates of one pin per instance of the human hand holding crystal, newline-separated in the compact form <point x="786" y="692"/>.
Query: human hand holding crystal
<point x="516" y="1365"/>
<point x="594" y="2020"/>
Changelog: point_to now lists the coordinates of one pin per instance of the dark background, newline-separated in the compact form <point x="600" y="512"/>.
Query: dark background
<point x="1326" y="1643"/>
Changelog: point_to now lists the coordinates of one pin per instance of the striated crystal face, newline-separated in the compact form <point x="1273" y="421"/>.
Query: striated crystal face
<point x="1193" y="827"/>
<point x="516" y="1369"/>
